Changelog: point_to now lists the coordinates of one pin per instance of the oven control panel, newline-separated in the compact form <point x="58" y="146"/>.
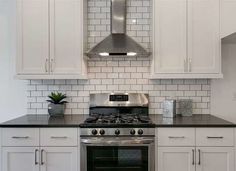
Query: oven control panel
<point x="117" y="131"/>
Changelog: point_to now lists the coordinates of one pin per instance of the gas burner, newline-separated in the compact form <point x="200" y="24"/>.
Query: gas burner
<point x="117" y="119"/>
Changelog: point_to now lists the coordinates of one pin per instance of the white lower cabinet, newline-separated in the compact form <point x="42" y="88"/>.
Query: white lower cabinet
<point x="58" y="159"/>
<point x="212" y="150"/>
<point x="176" y="159"/>
<point x="215" y="159"/>
<point x="20" y="159"/>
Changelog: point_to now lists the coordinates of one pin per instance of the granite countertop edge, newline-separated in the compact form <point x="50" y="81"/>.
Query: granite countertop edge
<point x="44" y="121"/>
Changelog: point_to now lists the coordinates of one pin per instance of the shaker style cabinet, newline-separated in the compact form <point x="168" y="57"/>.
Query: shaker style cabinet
<point x="39" y="149"/>
<point x="186" y="41"/>
<point x="175" y="159"/>
<point x="207" y="149"/>
<point x="50" y="39"/>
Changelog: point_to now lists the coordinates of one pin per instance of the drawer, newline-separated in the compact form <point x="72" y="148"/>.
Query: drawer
<point x="58" y="137"/>
<point x="215" y="137"/>
<point x="176" y="136"/>
<point x="20" y="137"/>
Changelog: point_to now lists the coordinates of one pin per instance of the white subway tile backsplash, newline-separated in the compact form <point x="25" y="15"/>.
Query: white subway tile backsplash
<point x="119" y="74"/>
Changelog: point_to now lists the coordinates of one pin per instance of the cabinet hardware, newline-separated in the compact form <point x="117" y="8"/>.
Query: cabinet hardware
<point x="52" y="65"/>
<point x="190" y="65"/>
<point x="46" y="65"/>
<point x="176" y="137"/>
<point x="185" y="65"/>
<point x="199" y="157"/>
<point x="62" y="137"/>
<point x="193" y="151"/>
<point x="24" y="137"/>
<point x="42" y="163"/>
<point x="35" y="157"/>
<point x="215" y="137"/>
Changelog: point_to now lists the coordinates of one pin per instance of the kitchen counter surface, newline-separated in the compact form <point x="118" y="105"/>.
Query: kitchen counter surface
<point x="196" y="120"/>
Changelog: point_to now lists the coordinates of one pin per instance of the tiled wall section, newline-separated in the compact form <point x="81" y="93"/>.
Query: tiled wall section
<point x="119" y="74"/>
<point x="124" y="78"/>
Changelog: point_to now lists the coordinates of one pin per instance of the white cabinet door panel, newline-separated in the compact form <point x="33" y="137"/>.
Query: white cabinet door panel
<point x="19" y="159"/>
<point x="66" y="36"/>
<point x="59" y="159"/>
<point x="204" y="36"/>
<point x="170" y="35"/>
<point x="176" y="159"/>
<point x="215" y="159"/>
<point x="32" y="50"/>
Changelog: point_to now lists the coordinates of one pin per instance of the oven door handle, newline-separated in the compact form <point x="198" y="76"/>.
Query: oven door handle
<point x="118" y="141"/>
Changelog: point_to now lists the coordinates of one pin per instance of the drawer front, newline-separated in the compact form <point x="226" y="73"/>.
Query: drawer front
<point x="215" y="137"/>
<point x="20" y="137"/>
<point x="58" y="137"/>
<point x="176" y="136"/>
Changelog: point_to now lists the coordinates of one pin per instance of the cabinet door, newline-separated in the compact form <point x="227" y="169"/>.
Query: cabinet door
<point x="170" y="36"/>
<point x="66" y="39"/>
<point x="20" y="159"/>
<point x="176" y="158"/>
<point x="32" y="30"/>
<point x="215" y="159"/>
<point x="204" y="36"/>
<point x="59" y="159"/>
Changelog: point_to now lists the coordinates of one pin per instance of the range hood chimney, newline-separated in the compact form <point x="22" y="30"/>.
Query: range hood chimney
<point x="118" y="43"/>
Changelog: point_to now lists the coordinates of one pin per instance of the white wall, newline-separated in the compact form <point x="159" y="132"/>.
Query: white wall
<point x="12" y="92"/>
<point x="223" y="102"/>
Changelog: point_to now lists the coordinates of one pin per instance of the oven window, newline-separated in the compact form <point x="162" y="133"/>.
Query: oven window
<point x="109" y="158"/>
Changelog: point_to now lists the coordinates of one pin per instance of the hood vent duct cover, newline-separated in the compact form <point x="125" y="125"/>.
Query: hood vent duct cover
<point x="118" y="43"/>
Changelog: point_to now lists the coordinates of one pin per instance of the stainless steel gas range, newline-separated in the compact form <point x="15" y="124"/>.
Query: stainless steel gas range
<point x="118" y="134"/>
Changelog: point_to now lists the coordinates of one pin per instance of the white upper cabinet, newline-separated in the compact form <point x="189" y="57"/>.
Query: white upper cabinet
<point x="228" y="24"/>
<point x="186" y="39"/>
<point x="32" y="31"/>
<point x="204" y="36"/>
<point x="66" y="36"/>
<point x="51" y="39"/>
<point x="170" y="36"/>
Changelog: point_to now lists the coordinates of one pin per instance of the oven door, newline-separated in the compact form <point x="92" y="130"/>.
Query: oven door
<point x="117" y="154"/>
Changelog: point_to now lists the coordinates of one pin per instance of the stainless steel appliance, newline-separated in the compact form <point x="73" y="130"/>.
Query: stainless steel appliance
<point x="169" y="108"/>
<point x="118" y="134"/>
<point x="118" y="43"/>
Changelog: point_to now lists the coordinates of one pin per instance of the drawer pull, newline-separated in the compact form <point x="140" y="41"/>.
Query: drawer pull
<point x="57" y="137"/>
<point x="215" y="137"/>
<point x="42" y="162"/>
<point x="16" y="137"/>
<point x="172" y="137"/>
<point x="35" y="157"/>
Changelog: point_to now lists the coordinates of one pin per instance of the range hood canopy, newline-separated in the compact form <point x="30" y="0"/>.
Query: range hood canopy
<point x="230" y="39"/>
<point x="118" y="43"/>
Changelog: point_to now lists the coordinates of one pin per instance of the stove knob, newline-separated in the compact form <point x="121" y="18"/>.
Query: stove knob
<point x="102" y="132"/>
<point x="132" y="131"/>
<point x="94" y="132"/>
<point x="140" y="131"/>
<point x="117" y="132"/>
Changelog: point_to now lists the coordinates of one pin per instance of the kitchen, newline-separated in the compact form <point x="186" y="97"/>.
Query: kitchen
<point x="195" y="73"/>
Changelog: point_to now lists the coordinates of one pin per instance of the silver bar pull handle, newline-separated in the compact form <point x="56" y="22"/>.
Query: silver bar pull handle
<point x="46" y="65"/>
<point x="59" y="137"/>
<point x="193" y="151"/>
<point x="52" y="65"/>
<point x="176" y="137"/>
<point x="19" y="137"/>
<point x="210" y="137"/>
<point x="42" y="163"/>
<point x="199" y="157"/>
<point x="185" y="65"/>
<point x="35" y="157"/>
<point x="190" y="65"/>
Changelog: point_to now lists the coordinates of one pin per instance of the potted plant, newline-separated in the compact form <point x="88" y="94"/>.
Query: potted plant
<point x="57" y="104"/>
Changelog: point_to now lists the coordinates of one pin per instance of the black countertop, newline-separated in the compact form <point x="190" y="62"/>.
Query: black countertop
<point x="77" y="120"/>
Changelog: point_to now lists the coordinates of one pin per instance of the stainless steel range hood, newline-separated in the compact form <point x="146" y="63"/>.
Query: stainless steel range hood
<point x="118" y="43"/>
